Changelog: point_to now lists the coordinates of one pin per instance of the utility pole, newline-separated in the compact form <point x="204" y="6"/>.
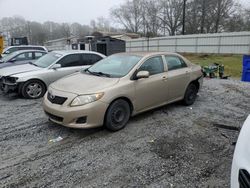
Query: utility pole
<point x="184" y="17"/>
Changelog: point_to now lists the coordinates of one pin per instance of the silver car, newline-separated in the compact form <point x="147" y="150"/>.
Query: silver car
<point x="21" y="57"/>
<point x="12" y="49"/>
<point x="32" y="80"/>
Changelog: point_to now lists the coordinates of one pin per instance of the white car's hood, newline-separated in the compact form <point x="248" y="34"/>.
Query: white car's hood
<point x="8" y="71"/>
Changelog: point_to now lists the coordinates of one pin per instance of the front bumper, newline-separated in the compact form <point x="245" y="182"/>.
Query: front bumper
<point x="93" y="113"/>
<point x="8" y="86"/>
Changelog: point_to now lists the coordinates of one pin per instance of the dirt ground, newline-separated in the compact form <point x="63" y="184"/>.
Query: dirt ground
<point x="173" y="146"/>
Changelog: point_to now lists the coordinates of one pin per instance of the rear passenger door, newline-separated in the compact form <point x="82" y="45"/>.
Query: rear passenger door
<point x="178" y="76"/>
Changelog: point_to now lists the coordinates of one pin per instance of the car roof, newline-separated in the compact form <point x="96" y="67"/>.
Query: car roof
<point x="31" y="50"/>
<point x="149" y="53"/>
<point x="67" y="52"/>
<point x="25" y="46"/>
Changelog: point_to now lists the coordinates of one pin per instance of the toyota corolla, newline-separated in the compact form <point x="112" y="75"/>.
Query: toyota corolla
<point x="120" y="86"/>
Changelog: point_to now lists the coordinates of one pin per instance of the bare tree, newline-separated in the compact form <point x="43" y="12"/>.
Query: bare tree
<point x="129" y="15"/>
<point x="171" y="15"/>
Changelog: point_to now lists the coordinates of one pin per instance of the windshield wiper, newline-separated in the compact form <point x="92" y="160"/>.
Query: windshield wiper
<point x="98" y="73"/>
<point x="87" y="70"/>
<point x="33" y="64"/>
<point x="102" y="74"/>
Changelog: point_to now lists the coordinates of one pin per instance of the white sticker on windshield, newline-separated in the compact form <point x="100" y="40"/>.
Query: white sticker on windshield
<point x="58" y="55"/>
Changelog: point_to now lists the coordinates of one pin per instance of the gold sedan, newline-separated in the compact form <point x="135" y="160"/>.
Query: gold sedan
<point x="120" y="86"/>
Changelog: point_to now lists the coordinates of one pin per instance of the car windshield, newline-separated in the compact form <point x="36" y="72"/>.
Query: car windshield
<point x="47" y="59"/>
<point x="114" y="66"/>
<point x="8" y="57"/>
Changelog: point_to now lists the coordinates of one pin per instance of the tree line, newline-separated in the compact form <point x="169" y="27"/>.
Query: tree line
<point x="149" y="18"/>
<point x="38" y="33"/>
<point x="165" y="17"/>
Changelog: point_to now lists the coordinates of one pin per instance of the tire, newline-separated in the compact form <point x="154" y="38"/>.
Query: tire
<point x="117" y="115"/>
<point x="33" y="89"/>
<point x="190" y="94"/>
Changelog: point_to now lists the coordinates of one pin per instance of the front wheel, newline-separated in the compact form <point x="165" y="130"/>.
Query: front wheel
<point x="33" y="89"/>
<point x="117" y="115"/>
<point x="190" y="94"/>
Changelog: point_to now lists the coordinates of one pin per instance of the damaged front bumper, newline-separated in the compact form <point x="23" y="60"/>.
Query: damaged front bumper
<point x="8" y="84"/>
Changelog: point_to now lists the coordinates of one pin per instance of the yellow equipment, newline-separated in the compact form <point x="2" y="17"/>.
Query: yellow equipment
<point x="1" y="44"/>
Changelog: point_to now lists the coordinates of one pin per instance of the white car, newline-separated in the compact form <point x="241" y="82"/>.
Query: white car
<point x="32" y="80"/>
<point x="12" y="49"/>
<point x="240" y="174"/>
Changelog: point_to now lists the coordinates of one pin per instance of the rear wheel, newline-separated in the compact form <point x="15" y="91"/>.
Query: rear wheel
<point x="190" y="94"/>
<point x="33" y="89"/>
<point x="117" y="115"/>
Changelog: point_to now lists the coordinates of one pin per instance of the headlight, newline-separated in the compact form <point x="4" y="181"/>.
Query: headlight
<point x="85" y="99"/>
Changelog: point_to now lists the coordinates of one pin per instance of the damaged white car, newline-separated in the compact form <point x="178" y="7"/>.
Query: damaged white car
<point x="31" y="80"/>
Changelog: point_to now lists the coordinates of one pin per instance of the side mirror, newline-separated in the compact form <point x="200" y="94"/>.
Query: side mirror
<point x="7" y="52"/>
<point x="56" y="66"/>
<point x="142" y="74"/>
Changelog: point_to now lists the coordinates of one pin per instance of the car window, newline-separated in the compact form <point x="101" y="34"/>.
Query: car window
<point x="70" y="60"/>
<point x="153" y="65"/>
<point x="24" y="56"/>
<point x="90" y="59"/>
<point x="38" y="55"/>
<point x="174" y="63"/>
<point x="10" y="50"/>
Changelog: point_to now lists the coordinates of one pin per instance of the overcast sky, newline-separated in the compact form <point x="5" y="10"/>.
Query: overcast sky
<point x="81" y="11"/>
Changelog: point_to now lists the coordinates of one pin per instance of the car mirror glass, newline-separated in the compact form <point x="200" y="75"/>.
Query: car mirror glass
<point x="142" y="74"/>
<point x="56" y="66"/>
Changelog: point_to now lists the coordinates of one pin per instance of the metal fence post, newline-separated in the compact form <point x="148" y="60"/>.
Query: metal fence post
<point x="175" y="45"/>
<point x="219" y="45"/>
<point x="196" y="44"/>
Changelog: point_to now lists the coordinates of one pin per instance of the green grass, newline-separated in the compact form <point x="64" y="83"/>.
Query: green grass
<point x="232" y="63"/>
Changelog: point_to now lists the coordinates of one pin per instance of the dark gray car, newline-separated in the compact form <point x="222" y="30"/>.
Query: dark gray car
<point x="21" y="57"/>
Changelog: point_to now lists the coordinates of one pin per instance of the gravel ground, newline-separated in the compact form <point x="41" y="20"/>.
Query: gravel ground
<point x="173" y="146"/>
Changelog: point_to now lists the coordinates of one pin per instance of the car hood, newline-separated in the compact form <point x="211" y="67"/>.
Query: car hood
<point x="2" y="65"/>
<point x="81" y="83"/>
<point x="8" y="71"/>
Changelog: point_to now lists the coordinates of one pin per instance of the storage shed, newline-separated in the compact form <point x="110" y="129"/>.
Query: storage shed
<point x="108" y="45"/>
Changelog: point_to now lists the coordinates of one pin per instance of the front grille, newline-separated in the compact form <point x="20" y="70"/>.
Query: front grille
<point x="244" y="179"/>
<point x="54" y="117"/>
<point x="56" y="99"/>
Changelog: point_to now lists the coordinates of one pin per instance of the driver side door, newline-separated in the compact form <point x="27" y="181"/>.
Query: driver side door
<point x="152" y="91"/>
<point x="69" y="65"/>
